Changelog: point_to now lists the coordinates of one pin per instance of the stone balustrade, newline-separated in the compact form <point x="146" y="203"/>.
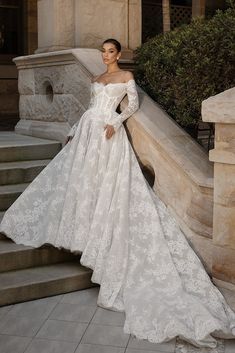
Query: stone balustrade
<point x="54" y="90"/>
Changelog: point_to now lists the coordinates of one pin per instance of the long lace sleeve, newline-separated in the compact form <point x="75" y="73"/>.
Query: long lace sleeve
<point x="74" y="127"/>
<point x="133" y="104"/>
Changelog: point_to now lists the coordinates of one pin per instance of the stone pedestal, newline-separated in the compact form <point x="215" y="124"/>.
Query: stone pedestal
<point x="220" y="110"/>
<point x="55" y="90"/>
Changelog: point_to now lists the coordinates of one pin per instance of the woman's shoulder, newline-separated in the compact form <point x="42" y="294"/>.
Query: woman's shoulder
<point x="123" y="76"/>
<point x="126" y="76"/>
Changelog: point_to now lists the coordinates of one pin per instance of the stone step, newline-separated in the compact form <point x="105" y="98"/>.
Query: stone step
<point x="9" y="193"/>
<point x="16" y="256"/>
<point x="43" y="281"/>
<point x="16" y="147"/>
<point x="21" y="172"/>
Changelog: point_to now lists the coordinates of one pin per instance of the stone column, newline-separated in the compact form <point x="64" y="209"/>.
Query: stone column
<point x="220" y="110"/>
<point x="198" y="8"/>
<point x="134" y="24"/>
<point x="55" y="25"/>
<point x="166" y="14"/>
<point x="97" y="20"/>
<point x="30" y="26"/>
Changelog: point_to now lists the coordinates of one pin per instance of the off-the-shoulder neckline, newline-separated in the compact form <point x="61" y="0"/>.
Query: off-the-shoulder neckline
<point x="112" y="83"/>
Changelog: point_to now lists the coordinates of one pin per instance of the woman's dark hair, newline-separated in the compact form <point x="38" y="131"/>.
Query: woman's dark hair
<point x="115" y="42"/>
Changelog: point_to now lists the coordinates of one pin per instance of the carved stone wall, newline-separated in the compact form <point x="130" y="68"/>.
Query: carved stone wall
<point x="54" y="93"/>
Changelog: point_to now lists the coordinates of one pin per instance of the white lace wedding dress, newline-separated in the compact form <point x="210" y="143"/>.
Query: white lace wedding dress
<point x="92" y="198"/>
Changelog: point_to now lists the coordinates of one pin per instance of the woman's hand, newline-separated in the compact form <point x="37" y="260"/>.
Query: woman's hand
<point x="68" y="138"/>
<point x="109" y="131"/>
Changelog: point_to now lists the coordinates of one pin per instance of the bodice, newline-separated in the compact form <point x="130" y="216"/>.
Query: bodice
<point x="106" y="98"/>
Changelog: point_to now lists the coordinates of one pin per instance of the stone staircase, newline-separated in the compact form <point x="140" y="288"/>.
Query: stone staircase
<point x="27" y="273"/>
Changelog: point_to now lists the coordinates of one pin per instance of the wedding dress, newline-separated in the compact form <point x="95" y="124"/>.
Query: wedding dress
<point x="93" y="198"/>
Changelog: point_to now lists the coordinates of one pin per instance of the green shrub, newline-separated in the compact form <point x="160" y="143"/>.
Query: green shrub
<point x="183" y="67"/>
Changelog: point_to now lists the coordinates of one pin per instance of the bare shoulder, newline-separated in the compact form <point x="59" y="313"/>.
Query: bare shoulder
<point x="128" y="76"/>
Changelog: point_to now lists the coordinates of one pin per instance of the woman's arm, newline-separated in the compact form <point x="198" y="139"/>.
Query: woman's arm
<point x="133" y="104"/>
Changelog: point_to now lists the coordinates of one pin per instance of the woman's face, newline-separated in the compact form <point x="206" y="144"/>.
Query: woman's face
<point x="109" y="53"/>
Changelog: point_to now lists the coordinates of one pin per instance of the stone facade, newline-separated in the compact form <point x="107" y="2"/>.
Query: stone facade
<point x="81" y="23"/>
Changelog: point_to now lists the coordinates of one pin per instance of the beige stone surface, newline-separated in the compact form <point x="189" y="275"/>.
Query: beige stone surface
<point x="96" y="20"/>
<point x="26" y="83"/>
<point x="135" y="24"/>
<point x="224" y="182"/>
<point x="80" y="23"/>
<point x="55" y="24"/>
<point x="220" y="108"/>
<point x="224" y="151"/>
<point x="224" y="264"/>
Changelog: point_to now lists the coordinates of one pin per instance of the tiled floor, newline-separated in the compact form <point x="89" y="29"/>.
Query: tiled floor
<point x="72" y="323"/>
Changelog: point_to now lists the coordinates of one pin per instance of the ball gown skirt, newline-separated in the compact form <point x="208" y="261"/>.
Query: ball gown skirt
<point x="93" y="198"/>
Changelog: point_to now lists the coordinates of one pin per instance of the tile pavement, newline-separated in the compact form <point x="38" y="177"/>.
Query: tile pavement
<point x="72" y="323"/>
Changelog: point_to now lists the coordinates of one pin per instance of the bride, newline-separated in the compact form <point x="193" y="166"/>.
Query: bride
<point x="93" y="198"/>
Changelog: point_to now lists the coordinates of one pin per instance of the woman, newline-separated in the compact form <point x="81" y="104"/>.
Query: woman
<point x="92" y="198"/>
